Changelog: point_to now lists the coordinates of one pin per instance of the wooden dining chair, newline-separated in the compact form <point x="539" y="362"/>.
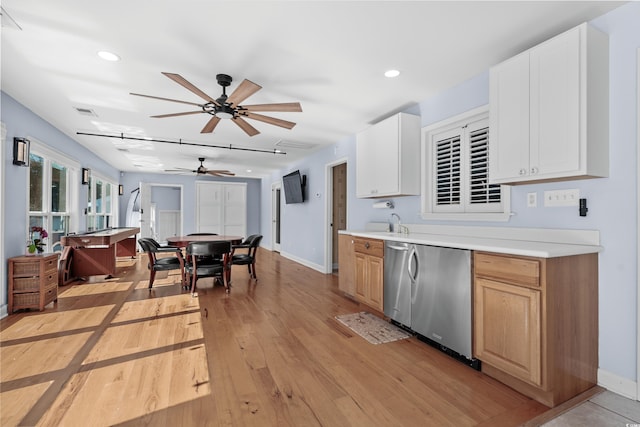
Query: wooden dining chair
<point x="163" y="263"/>
<point x="208" y="259"/>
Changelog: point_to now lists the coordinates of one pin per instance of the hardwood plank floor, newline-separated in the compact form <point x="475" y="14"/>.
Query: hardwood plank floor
<point x="270" y="353"/>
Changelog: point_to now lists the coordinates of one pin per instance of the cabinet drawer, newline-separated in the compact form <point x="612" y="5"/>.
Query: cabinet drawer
<point x="50" y="278"/>
<point x="26" y="284"/>
<point x="520" y="271"/>
<point x="369" y="246"/>
<point x="50" y="293"/>
<point x="26" y="300"/>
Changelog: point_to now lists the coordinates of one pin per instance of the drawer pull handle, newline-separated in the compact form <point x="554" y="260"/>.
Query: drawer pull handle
<point x="367" y="245"/>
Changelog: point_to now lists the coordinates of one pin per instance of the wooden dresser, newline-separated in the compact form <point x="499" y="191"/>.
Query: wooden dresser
<point x="33" y="281"/>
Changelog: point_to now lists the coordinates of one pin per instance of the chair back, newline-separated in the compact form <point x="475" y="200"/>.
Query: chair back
<point x="208" y="248"/>
<point x="147" y="245"/>
<point x="255" y="242"/>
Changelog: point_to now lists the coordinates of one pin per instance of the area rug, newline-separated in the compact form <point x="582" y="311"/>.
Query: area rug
<point x="372" y="328"/>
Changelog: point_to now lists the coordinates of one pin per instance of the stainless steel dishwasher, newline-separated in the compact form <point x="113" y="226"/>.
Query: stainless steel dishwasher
<point x="428" y="289"/>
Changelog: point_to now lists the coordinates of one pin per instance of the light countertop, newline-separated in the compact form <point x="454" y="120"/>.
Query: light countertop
<point x="505" y="246"/>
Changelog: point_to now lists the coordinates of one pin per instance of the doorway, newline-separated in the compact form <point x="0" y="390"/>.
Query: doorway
<point x="336" y="210"/>
<point x="156" y="198"/>
<point x="276" y="200"/>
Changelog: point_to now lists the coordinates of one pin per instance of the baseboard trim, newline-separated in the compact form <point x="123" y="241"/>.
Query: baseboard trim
<point x="304" y="262"/>
<point x="617" y="384"/>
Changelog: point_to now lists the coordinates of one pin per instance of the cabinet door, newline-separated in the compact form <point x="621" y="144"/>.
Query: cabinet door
<point x="376" y="275"/>
<point x="361" y="277"/>
<point x="377" y="159"/>
<point x="555" y="106"/>
<point x="346" y="264"/>
<point x="209" y="204"/>
<point x="235" y="209"/>
<point x="509" y="120"/>
<point x="508" y="329"/>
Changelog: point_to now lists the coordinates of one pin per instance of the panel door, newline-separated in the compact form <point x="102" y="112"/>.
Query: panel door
<point x="555" y="106"/>
<point x="509" y="120"/>
<point x="376" y="275"/>
<point x="508" y="329"/>
<point x="209" y="205"/>
<point x="235" y="209"/>
<point x="361" y="278"/>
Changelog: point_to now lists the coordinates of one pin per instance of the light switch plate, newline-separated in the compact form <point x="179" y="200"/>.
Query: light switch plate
<point x="532" y="200"/>
<point x="562" y="198"/>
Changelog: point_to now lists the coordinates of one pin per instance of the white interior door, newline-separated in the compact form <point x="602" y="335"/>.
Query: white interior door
<point x="145" y="210"/>
<point x="276" y="196"/>
<point x="168" y="224"/>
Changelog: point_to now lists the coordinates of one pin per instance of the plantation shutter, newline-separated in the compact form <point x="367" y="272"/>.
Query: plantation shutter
<point x="481" y="196"/>
<point x="448" y="171"/>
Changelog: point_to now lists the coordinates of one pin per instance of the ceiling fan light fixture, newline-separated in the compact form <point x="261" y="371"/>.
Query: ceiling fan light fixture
<point x="224" y="115"/>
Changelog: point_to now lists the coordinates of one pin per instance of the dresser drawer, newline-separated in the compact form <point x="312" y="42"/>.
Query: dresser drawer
<point x="521" y="271"/>
<point x="371" y="247"/>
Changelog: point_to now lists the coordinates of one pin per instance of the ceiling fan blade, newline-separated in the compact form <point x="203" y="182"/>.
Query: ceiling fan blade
<point x="249" y="130"/>
<point x="220" y="173"/>
<point x="182" y="170"/>
<point x="271" y="120"/>
<point x="242" y="92"/>
<point x="211" y="125"/>
<point x="282" y="107"/>
<point x="187" y="85"/>
<point x="165" y="99"/>
<point x="186" y="113"/>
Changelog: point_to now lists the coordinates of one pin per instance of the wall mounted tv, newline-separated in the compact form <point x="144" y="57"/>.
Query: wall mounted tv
<point x="294" y="184"/>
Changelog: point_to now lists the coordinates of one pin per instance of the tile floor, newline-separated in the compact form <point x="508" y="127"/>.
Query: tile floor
<point x="602" y="410"/>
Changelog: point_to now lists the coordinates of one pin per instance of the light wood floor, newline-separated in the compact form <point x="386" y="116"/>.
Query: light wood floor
<point x="268" y="354"/>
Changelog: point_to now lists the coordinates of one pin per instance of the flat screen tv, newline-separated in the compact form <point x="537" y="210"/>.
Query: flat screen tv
<point x="293" y="187"/>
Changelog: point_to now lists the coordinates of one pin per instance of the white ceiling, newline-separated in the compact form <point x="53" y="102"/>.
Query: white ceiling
<point x="328" y="55"/>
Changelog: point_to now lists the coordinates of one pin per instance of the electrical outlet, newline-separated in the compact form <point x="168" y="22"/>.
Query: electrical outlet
<point x="562" y="198"/>
<point x="532" y="200"/>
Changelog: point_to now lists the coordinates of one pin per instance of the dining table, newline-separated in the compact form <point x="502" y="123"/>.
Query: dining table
<point x="183" y="242"/>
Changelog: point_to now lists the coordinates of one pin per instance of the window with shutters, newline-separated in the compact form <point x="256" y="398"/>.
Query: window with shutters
<point x="456" y="171"/>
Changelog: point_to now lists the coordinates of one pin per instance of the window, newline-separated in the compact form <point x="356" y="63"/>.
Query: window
<point x="100" y="208"/>
<point x="51" y="200"/>
<point x="456" y="171"/>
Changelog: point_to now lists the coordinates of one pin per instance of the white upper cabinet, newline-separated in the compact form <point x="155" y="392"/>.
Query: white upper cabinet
<point x="388" y="158"/>
<point x="549" y="111"/>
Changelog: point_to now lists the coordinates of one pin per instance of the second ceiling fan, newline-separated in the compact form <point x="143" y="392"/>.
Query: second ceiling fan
<point x="228" y="107"/>
<point x="202" y="170"/>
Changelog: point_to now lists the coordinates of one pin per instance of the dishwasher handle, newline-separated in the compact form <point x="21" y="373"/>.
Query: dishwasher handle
<point x="397" y="248"/>
<point x="413" y="256"/>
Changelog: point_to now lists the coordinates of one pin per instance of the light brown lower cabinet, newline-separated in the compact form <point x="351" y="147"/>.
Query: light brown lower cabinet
<point x="536" y="323"/>
<point x="369" y="272"/>
<point x="346" y="264"/>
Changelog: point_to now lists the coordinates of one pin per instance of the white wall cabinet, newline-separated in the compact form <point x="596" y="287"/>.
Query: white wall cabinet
<point x="221" y="208"/>
<point x="388" y="158"/>
<point x="549" y="110"/>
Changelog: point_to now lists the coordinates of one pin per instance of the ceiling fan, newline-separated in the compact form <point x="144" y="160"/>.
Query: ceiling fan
<point x="228" y="107"/>
<point x="201" y="170"/>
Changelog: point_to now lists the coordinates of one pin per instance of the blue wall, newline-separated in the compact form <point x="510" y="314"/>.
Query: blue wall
<point x="131" y="181"/>
<point x="22" y="122"/>
<point x="612" y="201"/>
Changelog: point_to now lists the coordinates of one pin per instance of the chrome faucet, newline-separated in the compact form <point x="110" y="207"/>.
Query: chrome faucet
<point x="391" y="227"/>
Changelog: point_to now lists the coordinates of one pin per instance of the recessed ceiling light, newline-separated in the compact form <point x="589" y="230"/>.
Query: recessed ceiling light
<point x="108" y="56"/>
<point x="391" y="73"/>
<point x="249" y="171"/>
